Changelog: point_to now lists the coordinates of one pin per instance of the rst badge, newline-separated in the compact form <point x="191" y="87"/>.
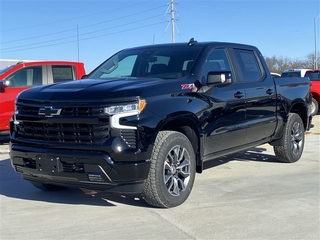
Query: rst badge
<point x="49" y="111"/>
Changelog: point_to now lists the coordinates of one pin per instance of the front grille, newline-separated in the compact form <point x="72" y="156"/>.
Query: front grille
<point x="73" y="124"/>
<point x="63" y="132"/>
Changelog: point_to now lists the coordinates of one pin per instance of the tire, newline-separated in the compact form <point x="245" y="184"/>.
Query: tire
<point x="172" y="170"/>
<point x="314" y="107"/>
<point x="292" y="142"/>
<point x="47" y="187"/>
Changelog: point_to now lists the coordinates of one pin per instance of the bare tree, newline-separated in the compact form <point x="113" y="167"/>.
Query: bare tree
<point x="279" y="64"/>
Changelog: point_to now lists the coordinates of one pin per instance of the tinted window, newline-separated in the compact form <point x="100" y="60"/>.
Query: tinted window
<point x="313" y="75"/>
<point x="217" y="60"/>
<point x="291" y="74"/>
<point x="249" y="65"/>
<point x="30" y="76"/>
<point x="62" y="73"/>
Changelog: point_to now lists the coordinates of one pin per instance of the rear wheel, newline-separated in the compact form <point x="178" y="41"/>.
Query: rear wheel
<point x="292" y="141"/>
<point x="172" y="170"/>
<point x="314" y="107"/>
<point x="47" y="187"/>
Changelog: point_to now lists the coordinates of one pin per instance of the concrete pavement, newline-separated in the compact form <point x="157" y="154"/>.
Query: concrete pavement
<point x="249" y="195"/>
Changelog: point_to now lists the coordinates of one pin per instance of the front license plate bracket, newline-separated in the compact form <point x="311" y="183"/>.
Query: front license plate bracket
<point x="48" y="164"/>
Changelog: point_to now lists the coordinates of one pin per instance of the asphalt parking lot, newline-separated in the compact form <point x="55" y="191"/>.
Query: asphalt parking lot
<point x="249" y="195"/>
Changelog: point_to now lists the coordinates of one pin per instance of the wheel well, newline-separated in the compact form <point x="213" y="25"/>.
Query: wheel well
<point x="301" y="111"/>
<point x="189" y="129"/>
<point x="316" y="96"/>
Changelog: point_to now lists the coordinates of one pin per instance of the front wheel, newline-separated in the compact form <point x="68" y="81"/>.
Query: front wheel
<point x="292" y="141"/>
<point x="172" y="170"/>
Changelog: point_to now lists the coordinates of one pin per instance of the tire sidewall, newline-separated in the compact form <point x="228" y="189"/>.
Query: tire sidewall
<point x="172" y="140"/>
<point x="295" y="118"/>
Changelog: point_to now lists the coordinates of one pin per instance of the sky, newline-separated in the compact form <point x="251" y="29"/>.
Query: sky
<point x="90" y="31"/>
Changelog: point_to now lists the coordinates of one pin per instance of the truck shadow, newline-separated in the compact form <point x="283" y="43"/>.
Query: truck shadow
<point x="254" y="154"/>
<point x="13" y="186"/>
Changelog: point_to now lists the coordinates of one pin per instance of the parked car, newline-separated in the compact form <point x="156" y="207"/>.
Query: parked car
<point x="275" y="75"/>
<point x="23" y="75"/>
<point x="314" y="77"/>
<point x="294" y="72"/>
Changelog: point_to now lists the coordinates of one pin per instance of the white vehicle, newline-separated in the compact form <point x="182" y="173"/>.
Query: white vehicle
<point x="294" y="72"/>
<point x="275" y="75"/>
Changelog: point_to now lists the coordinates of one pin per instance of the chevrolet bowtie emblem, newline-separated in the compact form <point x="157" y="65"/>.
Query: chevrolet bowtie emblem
<point x="49" y="111"/>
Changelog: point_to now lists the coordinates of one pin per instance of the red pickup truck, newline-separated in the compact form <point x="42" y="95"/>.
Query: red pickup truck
<point x="23" y="75"/>
<point x="314" y="76"/>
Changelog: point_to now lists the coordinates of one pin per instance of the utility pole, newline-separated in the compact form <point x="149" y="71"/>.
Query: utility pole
<point x="172" y="21"/>
<point x="78" y="43"/>
<point x="315" y="42"/>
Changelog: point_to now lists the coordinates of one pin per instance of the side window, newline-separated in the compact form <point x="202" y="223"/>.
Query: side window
<point x="29" y="76"/>
<point x="217" y="60"/>
<point x="62" y="73"/>
<point x="249" y="65"/>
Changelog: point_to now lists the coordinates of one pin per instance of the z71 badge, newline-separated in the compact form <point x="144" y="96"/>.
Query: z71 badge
<point x="187" y="86"/>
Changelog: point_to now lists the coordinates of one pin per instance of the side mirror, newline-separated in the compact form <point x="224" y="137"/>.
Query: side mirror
<point x="84" y="76"/>
<point x="4" y="83"/>
<point x="220" y="77"/>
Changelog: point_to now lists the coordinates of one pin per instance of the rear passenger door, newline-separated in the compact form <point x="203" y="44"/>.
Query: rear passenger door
<point x="260" y="95"/>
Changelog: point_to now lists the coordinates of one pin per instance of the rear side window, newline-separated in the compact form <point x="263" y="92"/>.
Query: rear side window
<point x="62" y="73"/>
<point x="249" y="65"/>
<point x="26" y="77"/>
<point x="315" y="76"/>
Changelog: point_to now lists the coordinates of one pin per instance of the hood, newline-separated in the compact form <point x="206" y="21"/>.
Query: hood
<point x="93" y="90"/>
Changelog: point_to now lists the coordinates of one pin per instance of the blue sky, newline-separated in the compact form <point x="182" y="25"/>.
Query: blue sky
<point x="91" y="30"/>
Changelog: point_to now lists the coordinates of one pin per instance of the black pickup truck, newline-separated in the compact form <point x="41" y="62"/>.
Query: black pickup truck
<point x="147" y="119"/>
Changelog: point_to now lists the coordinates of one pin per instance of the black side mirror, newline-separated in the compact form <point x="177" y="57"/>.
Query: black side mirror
<point x="219" y="77"/>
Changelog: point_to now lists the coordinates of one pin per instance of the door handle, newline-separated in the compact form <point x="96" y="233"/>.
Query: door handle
<point x="269" y="91"/>
<point x="238" y="95"/>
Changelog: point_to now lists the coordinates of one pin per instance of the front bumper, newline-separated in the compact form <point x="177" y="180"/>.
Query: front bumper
<point x="74" y="168"/>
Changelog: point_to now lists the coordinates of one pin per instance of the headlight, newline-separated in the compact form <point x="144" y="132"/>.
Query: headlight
<point x="120" y="111"/>
<point x="134" y="108"/>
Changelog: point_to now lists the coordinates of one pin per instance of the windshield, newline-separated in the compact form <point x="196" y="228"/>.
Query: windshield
<point x="168" y="62"/>
<point x="6" y="69"/>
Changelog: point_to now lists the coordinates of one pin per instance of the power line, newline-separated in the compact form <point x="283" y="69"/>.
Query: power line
<point x="78" y="35"/>
<point x="84" y="38"/>
<point x="69" y="19"/>
<point x="90" y="25"/>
